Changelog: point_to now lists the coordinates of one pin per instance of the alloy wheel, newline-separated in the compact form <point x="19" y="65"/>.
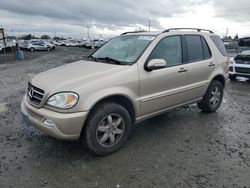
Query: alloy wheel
<point x="110" y="130"/>
<point x="215" y="97"/>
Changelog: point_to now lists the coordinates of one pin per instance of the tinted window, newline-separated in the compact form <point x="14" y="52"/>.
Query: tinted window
<point x="206" y="50"/>
<point x="169" y="49"/>
<point x="219" y="44"/>
<point x="244" y="42"/>
<point x="194" y="47"/>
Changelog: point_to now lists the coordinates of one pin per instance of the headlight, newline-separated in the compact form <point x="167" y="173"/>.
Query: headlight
<point x="63" y="100"/>
<point x="231" y="61"/>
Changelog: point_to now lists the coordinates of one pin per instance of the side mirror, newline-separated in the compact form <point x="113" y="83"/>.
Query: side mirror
<point x="155" y="64"/>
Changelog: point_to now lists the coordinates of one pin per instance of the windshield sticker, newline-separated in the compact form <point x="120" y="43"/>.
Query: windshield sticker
<point x="146" y="38"/>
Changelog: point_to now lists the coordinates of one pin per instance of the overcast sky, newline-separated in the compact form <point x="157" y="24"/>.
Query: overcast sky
<point x="112" y="17"/>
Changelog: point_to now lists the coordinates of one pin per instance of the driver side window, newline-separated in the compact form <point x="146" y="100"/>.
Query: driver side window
<point x="168" y="49"/>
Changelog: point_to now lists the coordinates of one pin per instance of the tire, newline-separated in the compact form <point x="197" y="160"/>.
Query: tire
<point x="107" y="129"/>
<point x="232" y="77"/>
<point x="48" y="49"/>
<point x="32" y="49"/>
<point x="212" y="99"/>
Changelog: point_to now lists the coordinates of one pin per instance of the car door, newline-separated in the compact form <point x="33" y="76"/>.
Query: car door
<point x="164" y="88"/>
<point x="200" y="65"/>
<point x="41" y="46"/>
<point x="36" y="45"/>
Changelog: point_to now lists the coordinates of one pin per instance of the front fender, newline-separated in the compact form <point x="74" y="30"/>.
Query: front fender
<point x="87" y="102"/>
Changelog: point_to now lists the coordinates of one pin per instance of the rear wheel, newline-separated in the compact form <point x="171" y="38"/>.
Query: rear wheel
<point x="107" y="129"/>
<point x="32" y="49"/>
<point x="213" y="97"/>
<point x="48" y="49"/>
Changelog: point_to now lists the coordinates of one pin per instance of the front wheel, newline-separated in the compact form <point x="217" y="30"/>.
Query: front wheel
<point x="107" y="129"/>
<point x="213" y="97"/>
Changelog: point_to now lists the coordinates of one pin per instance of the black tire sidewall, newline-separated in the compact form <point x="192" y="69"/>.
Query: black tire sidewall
<point x="93" y="121"/>
<point x="205" y="103"/>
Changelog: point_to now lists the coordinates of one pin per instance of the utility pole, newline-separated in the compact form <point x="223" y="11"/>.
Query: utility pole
<point x="88" y="31"/>
<point x="149" y="25"/>
<point x="226" y="32"/>
<point x="55" y="32"/>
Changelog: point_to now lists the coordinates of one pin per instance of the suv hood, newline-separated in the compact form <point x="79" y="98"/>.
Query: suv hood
<point x="70" y="76"/>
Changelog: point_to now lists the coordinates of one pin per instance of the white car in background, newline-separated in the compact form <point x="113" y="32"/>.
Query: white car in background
<point x="52" y="46"/>
<point x="240" y="65"/>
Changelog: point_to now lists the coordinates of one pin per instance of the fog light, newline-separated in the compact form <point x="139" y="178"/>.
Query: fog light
<point x="48" y="122"/>
<point x="230" y="69"/>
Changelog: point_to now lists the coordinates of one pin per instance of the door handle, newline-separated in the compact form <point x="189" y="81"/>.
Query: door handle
<point x="182" y="70"/>
<point x="211" y="64"/>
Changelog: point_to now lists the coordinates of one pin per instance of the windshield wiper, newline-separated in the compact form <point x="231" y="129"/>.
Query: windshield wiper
<point x="109" y="59"/>
<point x="92" y="57"/>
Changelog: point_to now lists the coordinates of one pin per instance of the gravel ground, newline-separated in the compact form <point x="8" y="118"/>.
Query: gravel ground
<point x="183" y="148"/>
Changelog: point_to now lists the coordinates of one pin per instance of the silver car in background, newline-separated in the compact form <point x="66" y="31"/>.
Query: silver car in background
<point x="37" y="46"/>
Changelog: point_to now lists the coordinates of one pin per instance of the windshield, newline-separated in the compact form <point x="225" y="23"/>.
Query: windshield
<point x="245" y="52"/>
<point x="124" y="49"/>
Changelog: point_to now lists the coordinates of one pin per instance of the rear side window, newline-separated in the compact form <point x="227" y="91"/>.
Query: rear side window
<point x="219" y="44"/>
<point x="197" y="48"/>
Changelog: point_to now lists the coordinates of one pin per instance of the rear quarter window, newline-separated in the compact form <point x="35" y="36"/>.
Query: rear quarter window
<point x="219" y="44"/>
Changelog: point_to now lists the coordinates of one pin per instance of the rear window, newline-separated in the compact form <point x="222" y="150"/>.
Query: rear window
<point x="219" y="44"/>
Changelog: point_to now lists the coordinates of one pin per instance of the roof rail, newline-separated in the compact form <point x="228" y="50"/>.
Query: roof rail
<point x="133" y="32"/>
<point x="197" y="29"/>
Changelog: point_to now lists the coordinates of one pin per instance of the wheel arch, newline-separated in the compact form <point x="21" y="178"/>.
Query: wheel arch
<point x="122" y="100"/>
<point x="221" y="79"/>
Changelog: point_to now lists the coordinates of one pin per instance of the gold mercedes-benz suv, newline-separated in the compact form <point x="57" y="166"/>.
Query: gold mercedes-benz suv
<point x="134" y="76"/>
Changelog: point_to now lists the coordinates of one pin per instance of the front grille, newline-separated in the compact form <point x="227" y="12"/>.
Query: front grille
<point x="243" y="62"/>
<point x="242" y="70"/>
<point x="35" y="94"/>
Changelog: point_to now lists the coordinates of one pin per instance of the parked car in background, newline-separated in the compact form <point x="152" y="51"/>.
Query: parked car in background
<point x="59" y="43"/>
<point x="10" y="41"/>
<point x="240" y="65"/>
<point x="52" y="46"/>
<point x="23" y="43"/>
<point x="37" y="45"/>
<point x="71" y="44"/>
<point x="82" y="43"/>
<point x="131" y="78"/>
<point x="87" y="45"/>
<point x="99" y="44"/>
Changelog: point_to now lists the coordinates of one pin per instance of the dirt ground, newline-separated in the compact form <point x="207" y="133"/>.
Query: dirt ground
<point x="183" y="148"/>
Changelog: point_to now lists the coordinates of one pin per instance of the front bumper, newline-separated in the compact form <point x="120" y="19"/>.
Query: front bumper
<point x="236" y="70"/>
<point x="66" y="126"/>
